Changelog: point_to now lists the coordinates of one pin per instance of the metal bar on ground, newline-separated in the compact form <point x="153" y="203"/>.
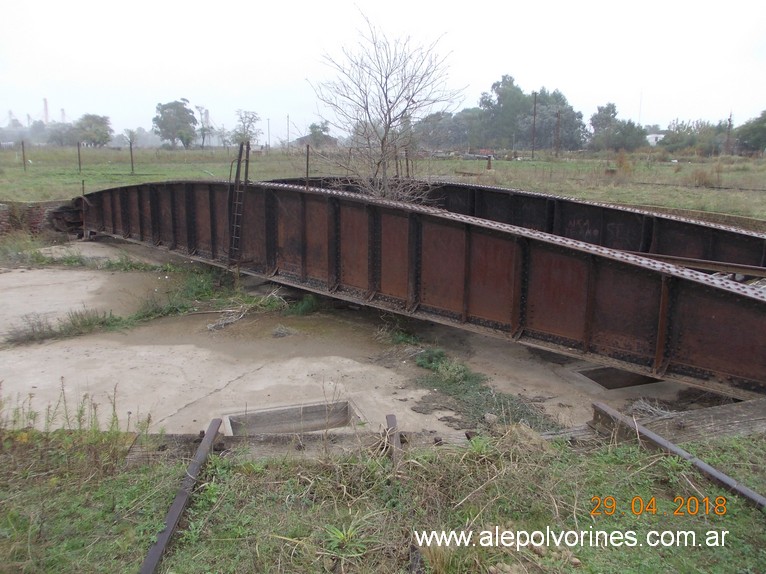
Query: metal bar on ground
<point x="395" y="440"/>
<point x="602" y="411"/>
<point x="154" y="556"/>
<point x="392" y="434"/>
<point x="705" y="264"/>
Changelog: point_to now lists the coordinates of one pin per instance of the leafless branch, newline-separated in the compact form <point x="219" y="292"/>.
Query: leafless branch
<point x="383" y="86"/>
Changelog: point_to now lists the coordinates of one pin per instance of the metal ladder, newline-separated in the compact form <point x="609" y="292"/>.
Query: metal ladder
<point x="236" y="199"/>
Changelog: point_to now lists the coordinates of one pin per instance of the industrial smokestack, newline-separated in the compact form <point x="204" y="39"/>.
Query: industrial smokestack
<point x="45" y="110"/>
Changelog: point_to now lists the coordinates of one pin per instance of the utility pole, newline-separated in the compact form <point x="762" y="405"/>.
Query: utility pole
<point x="728" y="136"/>
<point x="288" y="133"/>
<point x="268" y="135"/>
<point x="534" y="124"/>
<point x="558" y="131"/>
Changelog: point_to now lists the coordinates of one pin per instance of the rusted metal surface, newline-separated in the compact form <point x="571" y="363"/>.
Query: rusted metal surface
<point x="153" y="558"/>
<point x="538" y="288"/>
<point x="608" y="225"/>
<point x="707" y="265"/>
<point x="605" y="416"/>
<point x="600" y="224"/>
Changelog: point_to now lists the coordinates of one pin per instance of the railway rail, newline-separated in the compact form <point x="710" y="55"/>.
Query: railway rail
<point x="686" y="241"/>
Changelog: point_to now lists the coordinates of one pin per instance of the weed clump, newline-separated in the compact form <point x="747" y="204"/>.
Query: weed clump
<point x="307" y="305"/>
<point x="208" y="288"/>
<point x="21" y="248"/>
<point x="474" y="399"/>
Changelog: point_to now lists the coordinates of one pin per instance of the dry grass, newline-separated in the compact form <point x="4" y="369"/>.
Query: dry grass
<point x="71" y="505"/>
<point x="726" y="185"/>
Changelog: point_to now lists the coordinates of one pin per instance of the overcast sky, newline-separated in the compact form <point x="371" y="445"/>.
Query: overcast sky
<point x="655" y="60"/>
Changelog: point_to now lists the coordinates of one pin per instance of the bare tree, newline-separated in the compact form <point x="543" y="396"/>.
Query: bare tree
<point x="131" y="136"/>
<point x="224" y="137"/>
<point x="246" y="130"/>
<point x="204" y="129"/>
<point x="382" y="87"/>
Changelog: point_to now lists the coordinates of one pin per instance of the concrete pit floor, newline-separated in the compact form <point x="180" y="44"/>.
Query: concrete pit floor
<point x="182" y="374"/>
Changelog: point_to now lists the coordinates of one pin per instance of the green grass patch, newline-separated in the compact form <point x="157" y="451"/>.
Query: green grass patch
<point x="69" y="504"/>
<point x="306" y="305"/>
<point x="37" y="328"/>
<point x="21" y="248"/>
<point x="741" y="457"/>
<point x="474" y="399"/>
<point x="54" y="173"/>
<point x="199" y="289"/>
<point x="399" y="337"/>
<point x="126" y="263"/>
<point x="726" y="185"/>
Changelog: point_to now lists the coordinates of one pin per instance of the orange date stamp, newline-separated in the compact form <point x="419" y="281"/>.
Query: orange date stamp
<point x="639" y="505"/>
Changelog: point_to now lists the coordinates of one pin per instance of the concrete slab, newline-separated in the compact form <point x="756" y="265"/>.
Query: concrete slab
<point x="180" y="374"/>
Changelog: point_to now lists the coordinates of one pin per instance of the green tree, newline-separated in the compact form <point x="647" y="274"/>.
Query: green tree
<point x="557" y="124"/>
<point x="510" y="117"/>
<point x="700" y="137"/>
<point x="319" y="134"/>
<point x="62" y="134"/>
<point x="443" y="131"/>
<point x="466" y="129"/>
<point x="175" y="122"/>
<point x="604" y="118"/>
<point x="432" y="132"/>
<point x="629" y="136"/>
<point x="505" y="107"/>
<point x="610" y="133"/>
<point x="752" y="134"/>
<point x="39" y="133"/>
<point x="245" y="130"/>
<point x="679" y="135"/>
<point x="94" y="130"/>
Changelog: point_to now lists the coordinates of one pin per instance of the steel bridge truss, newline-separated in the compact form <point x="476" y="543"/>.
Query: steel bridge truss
<point x="572" y="277"/>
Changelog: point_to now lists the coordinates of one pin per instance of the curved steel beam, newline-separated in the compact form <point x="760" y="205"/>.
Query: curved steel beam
<point x="581" y="299"/>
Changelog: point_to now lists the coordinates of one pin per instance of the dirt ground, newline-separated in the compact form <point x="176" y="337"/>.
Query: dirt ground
<point x="182" y="374"/>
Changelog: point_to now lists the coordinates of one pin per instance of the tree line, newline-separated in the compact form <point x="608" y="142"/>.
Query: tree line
<point x="174" y="123"/>
<point x="506" y="118"/>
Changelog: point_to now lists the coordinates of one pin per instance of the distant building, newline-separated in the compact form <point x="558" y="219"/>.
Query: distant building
<point x="654" y="139"/>
<point x="317" y="141"/>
